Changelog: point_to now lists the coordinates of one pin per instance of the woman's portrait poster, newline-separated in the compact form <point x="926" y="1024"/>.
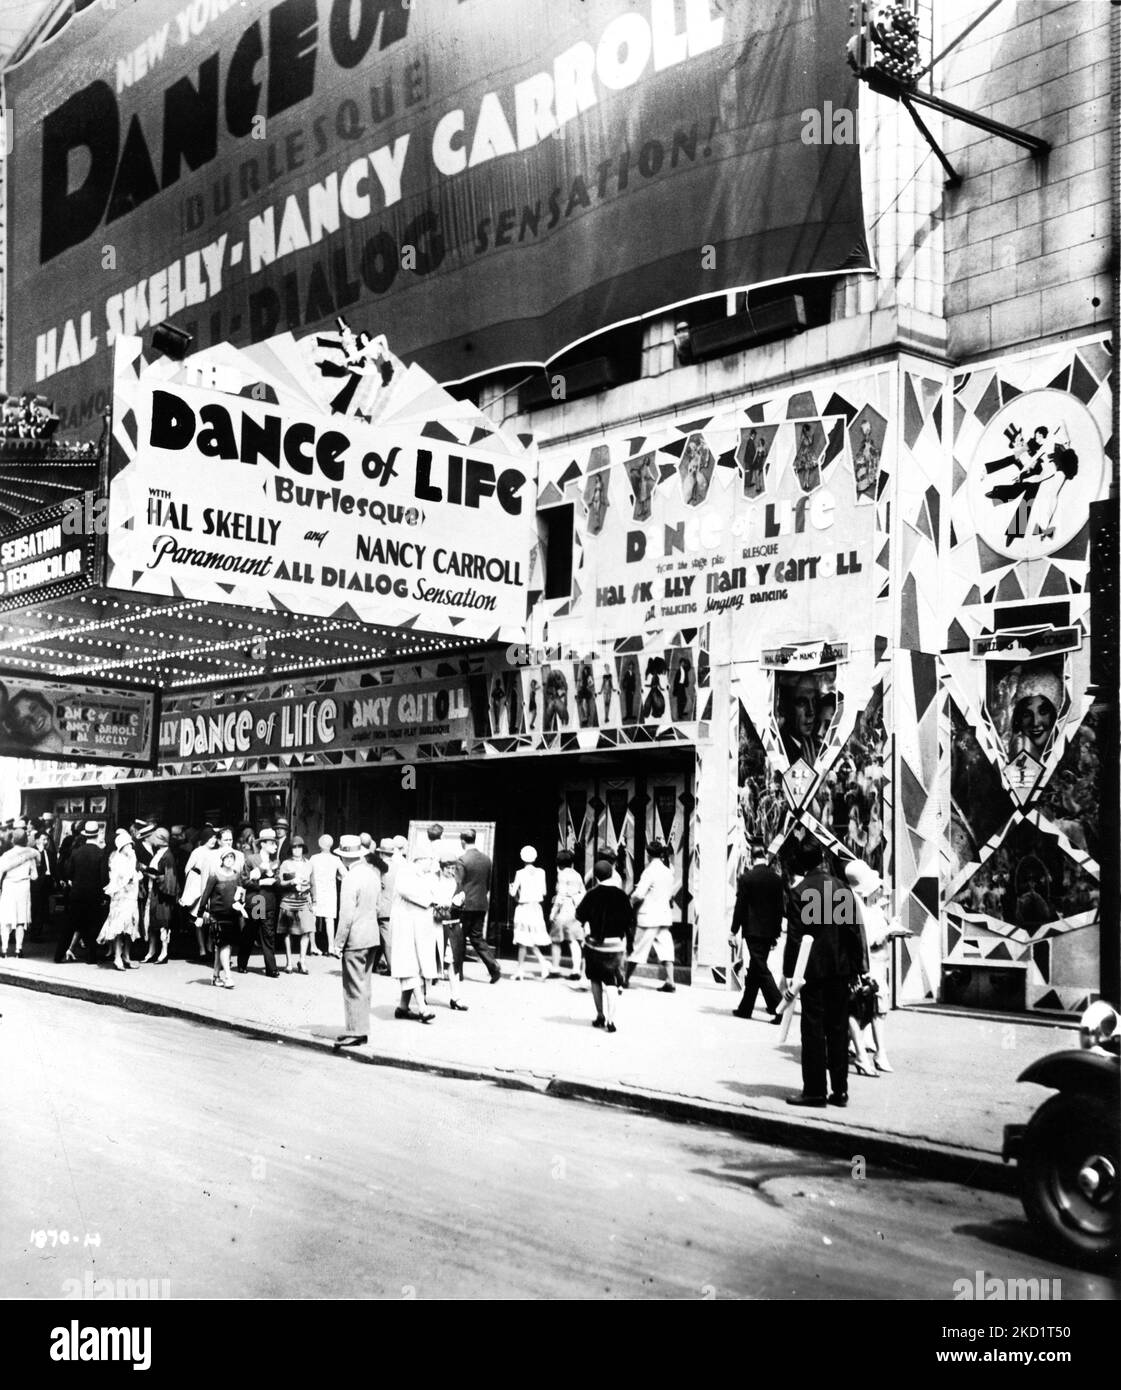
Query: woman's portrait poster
<point x="1026" y="703"/>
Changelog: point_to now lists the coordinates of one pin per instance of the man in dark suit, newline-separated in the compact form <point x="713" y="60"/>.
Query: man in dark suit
<point x="44" y="885"/>
<point x="283" y="839"/>
<point x="758" y="917"/>
<point x="140" y="830"/>
<point x="262" y="899"/>
<point x="824" y="908"/>
<point x="88" y="872"/>
<point x="473" y="874"/>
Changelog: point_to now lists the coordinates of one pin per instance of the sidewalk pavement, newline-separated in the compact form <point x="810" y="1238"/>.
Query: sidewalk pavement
<point x="941" y="1112"/>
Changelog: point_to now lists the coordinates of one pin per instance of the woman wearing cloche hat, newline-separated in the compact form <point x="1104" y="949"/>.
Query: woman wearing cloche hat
<point x="868" y="888"/>
<point x="1035" y="711"/>
<point x="123" y="922"/>
<point x="528" y="891"/>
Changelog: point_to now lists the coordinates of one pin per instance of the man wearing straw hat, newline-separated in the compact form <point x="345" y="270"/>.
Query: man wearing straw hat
<point x="357" y="936"/>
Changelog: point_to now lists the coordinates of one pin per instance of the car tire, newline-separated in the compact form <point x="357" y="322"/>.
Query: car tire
<point x="1067" y="1134"/>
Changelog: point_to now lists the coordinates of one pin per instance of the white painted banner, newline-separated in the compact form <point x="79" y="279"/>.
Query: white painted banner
<point x="234" y="500"/>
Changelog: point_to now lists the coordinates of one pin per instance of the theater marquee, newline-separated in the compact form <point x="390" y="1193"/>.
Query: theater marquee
<point x="231" y="500"/>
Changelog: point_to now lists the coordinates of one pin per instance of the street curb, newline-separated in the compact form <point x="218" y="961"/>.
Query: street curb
<point x="916" y="1156"/>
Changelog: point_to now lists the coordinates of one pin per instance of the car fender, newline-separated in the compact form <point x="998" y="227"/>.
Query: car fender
<point x="1095" y="1072"/>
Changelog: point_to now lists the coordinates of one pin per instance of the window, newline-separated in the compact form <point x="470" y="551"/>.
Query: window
<point x="556" y="525"/>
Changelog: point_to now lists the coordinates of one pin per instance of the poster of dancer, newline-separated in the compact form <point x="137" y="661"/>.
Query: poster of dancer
<point x="1037" y="467"/>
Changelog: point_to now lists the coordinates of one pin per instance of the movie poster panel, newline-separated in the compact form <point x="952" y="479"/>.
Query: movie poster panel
<point x="807" y="710"/>
<point x="1026" y="702"/>
<point x="75" y="721"/>
<point x="765" y="521"/>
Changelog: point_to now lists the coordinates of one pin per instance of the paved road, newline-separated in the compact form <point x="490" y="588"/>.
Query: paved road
<point x="239" y="1169"/>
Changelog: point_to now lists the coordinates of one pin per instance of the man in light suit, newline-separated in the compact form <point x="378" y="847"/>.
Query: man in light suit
<point x="357" y="936"/>
<point x="473" y="898"/>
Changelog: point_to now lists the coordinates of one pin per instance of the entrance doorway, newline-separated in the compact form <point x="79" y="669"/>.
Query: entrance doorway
<point x="621" y="801"/>
<point x="618" y="807"/>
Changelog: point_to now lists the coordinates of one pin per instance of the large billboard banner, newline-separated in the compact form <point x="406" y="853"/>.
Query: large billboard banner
<point x="232" y="500"/>
<point x="486" y="182"/>
<point x="76" y="721"/>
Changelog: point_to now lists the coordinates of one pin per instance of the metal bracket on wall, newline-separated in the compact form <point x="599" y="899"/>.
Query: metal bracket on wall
<point x="910" y="98"/>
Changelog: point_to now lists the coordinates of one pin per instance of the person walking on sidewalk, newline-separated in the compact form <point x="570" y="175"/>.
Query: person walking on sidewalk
<point x="607" y="917"/>
<point x="297" y="905"/>
<point x="445" y="911"/>
<point x="200" y="866"/>
<point x="43" y="883"/>
<point x="413" y="941"/>
<point x="327" y="872"/>
<point x="141" y="831"/>
<point x="358" y="936"/>
<point x="652" y="893"/>
<point x="878" y="932"/>
<point x="18" y="868"/>
<point x="473" y="873"/>
<point x="87" y="871"/>
<point x="528" y="891"/>
<point x="222" y="902"/>
<point x="123" y="922"/>
<point x="391" y="858"/>
<point x="757" y="921"/>
<point x="163" y="889"/>
<point x="826" y="911"/>
<point x="262" y="901"/>
<point x="563" y="924"/>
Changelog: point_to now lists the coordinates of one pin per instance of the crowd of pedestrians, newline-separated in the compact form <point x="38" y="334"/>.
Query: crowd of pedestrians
<point x="221" y="895"/>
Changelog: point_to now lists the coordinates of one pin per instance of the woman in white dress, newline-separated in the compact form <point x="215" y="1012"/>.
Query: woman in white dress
<point x="17" y="869"/>
<point x="868" y="887"/>
<point x="195" y="873"/>
<point x="327" y="873"/>
<point x="530" y="933"/>
<point x="123" y="922"/>
<point x="652" y="895"/>
<point x="414" y="942"/>
<point x="563" y="924"/>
